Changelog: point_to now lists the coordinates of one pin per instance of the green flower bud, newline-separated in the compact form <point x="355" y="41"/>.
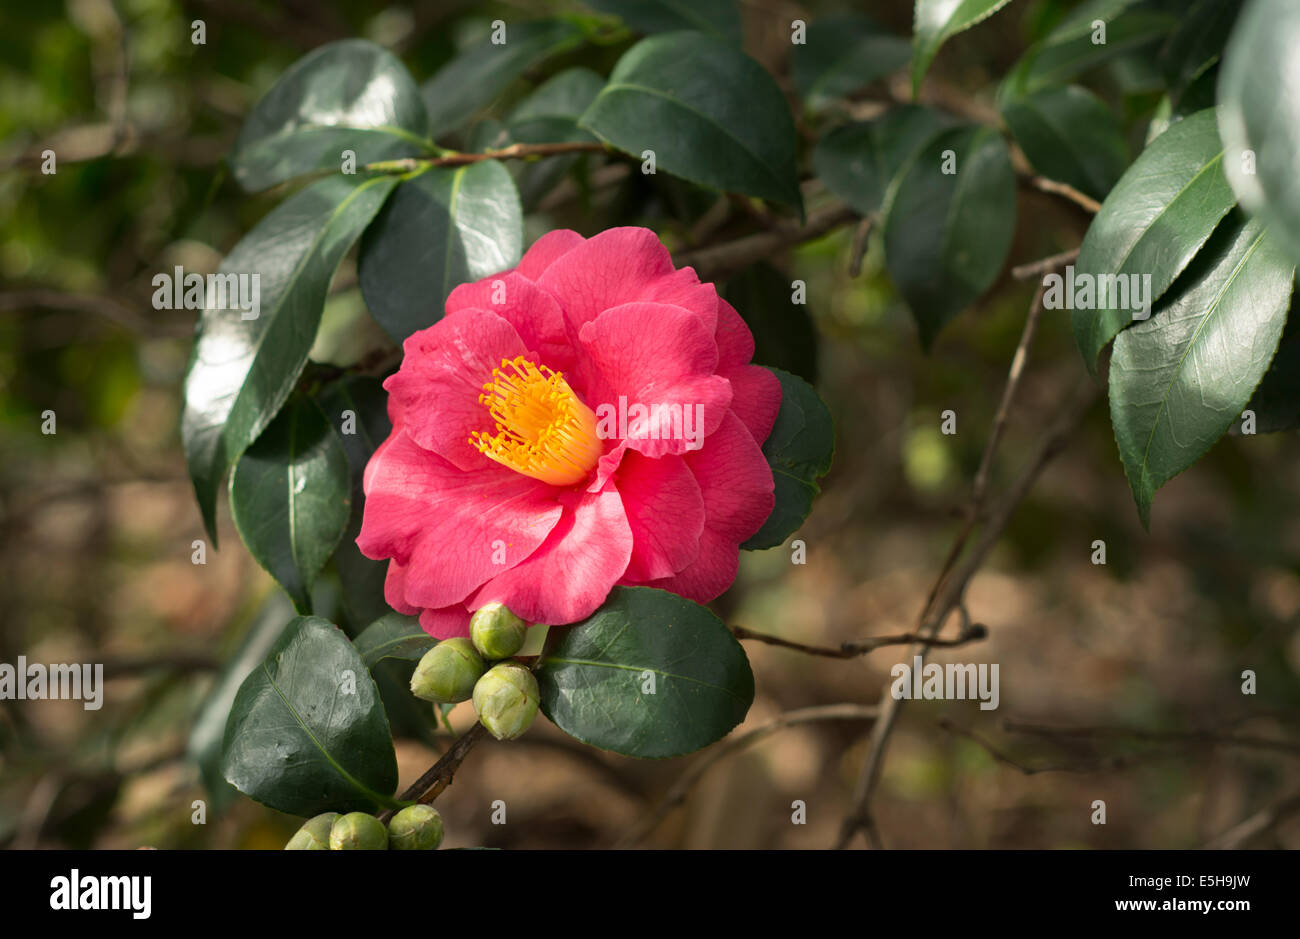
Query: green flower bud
<point x="506" y="700"/>
<point x="358" y="831"/>
<point x="447" y="672"/>
<point x="314" y="835"/>
<point x="415" y="828"/>
<point x="497" y="633"/>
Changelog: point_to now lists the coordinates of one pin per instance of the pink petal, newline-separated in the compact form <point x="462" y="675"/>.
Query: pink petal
<point x="446" y="526"/>
<point x="395" y="590"/>
<point x="546" y="250"/>
<point x="735" y="341"/>
<point x="755" y="398"/>
<point x="569" y="576"/>
<point x="736" y="483"/>
<point x="533" y="313"/>
<point x="665" y="511"/>
<point x="435" y="393"/>
<point x="659" y="358"/>
<point x="622" y="265"/>
<point x="447" y="622"/>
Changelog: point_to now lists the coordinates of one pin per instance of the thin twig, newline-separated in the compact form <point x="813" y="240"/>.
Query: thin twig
<point x="1209" y="738"/>
<point x="717" y="262"/>
<point x="860" y="647"/>
<point x="1265" y="820"/>
<point x="516" y="151"/>
<point x="951" y="585"/>
<point x="677" y="794"/>
<point x="439" y="776"/>
<point x="1044" y="266"/>
<point x="1024" y="768"/>
<point x="1066" y="191"/>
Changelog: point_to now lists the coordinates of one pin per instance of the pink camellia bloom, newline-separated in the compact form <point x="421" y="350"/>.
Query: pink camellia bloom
<point x="587" y="419"/>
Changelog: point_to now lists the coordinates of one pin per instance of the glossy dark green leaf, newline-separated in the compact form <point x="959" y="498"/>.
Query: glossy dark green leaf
<point x="348" y="95"/>
<point x="290" y="495"/>
<point x="1179" y="379"/>
<point x="1197" y="42"/>
<point x="858" y="161"/>
<point x="937" y="21"/>
<point x="948" y="234"/>
<point x="393" y="636"/>
<point x="1260" y="115"/>
<point x="784" y="336"/>
<point x="843" y="53"/>
<point x="1155" y="219"/>
<point x="719" y="17"/>
<point x="550" y="114"/>
<point x="1069" y="134"/>
<point x="595" y="681"/>
<point x="357" y="407"/>
<point x="442" y="228"/>
<point x="307" y="733"/>
<point x="470" y="82"/>
<point x="1072" y="48"/>
<point x="204" y="745"/>
<point x="710" y="113"/>
<point x="799" y="450"/>
<point x="1276" y="401"/>
<point x="242" y="370"/>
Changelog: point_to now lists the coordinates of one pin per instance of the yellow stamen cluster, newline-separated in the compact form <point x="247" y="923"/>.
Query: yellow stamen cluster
<point x="542" y="429"/>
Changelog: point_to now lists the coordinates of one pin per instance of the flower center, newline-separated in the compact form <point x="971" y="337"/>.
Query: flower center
<point x="543" y="430"/>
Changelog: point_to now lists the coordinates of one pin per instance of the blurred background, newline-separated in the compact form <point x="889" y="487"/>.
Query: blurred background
<point x="98" y="520"/>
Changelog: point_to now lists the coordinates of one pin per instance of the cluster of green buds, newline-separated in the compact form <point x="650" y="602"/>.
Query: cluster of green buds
<point x="505" y="696"/>
<point x="414" y="828"/>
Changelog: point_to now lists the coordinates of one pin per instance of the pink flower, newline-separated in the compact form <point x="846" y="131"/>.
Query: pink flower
<point x="587" y="419"/>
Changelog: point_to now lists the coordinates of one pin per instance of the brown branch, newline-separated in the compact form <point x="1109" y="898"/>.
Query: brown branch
<point x="1044" y="266"/>
<point x="850" y="650"/>
<point x="950" y="585"/>
<point x="677" y="794"/>
<point x="439" y="776"/>
<point x="717" y="262"/>
<point x="516" y="151"/>
<point x="1208" y="738"/>
<point x="1265" y="820"/>
<point x="999" y="756"/>
<point x="178" y="662"/>
<point x="1066" y="191"/>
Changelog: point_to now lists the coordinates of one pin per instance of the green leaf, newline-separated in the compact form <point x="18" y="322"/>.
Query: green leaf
<point x="719" y="17"/>
<point x="1276" y="401"/>
<point x="783" y="331"/>
<point x="1181" y="378"/>
<point x="393" y="636"/>
<point x="290" y="495"/>
<point x="357" y="407"/>
<point x="550" y="114"/>
<point x="842" y="54"/>
<point x="857" y="162"/>
<point x="1070" y="49"/>
<point x="799" y="451"/>
<point x="307" y="733"/>
<point x="948" y="234"/>
<point x="442" y="228"/>
<point x="1069" y="134"/>
<point x="242" y="370"/>
<point x="937" y="21"/>
<point x="1260" y="115"/>
<point x="1197" y="42"/>
<point x="470" y="81"/>
<point x="595" y="681"/>
<point x="348" y="95"/>
<point x="710" y="113"/>
<point x="204" y="746"/>
<point x="1157" y="217"/>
